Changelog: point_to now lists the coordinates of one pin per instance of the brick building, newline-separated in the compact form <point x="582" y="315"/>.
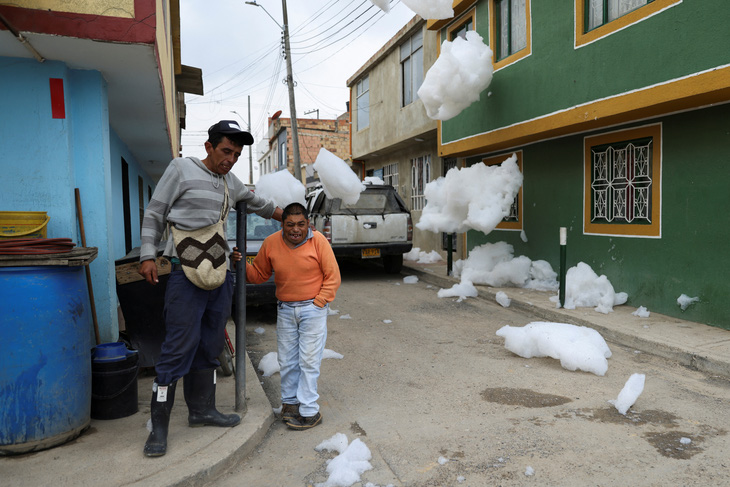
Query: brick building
<point x="332" y="134"/>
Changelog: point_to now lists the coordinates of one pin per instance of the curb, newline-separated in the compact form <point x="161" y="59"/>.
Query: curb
<point x="715" y="364"/>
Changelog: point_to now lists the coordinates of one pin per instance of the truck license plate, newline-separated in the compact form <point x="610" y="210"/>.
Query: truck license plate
<point x="370" y="253"/>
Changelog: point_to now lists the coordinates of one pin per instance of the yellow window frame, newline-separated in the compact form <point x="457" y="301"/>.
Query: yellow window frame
<point x="512" y="58"/>
<point x="496" y="160"/>
<point x="460" y="23"/>
<point x="582" y="37"/>
<point x="652" y="230"/>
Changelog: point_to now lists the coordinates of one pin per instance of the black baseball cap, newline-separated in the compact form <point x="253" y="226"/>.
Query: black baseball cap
<point x="233" y="130"/>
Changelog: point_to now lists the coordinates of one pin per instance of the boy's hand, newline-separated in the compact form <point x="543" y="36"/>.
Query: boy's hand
<point x="236" y="256"/>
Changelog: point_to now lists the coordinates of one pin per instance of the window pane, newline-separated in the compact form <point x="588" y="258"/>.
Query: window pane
<point x="519" y="26"/>
<point x="363" y="111"/>
<point x="503" y="29"/>
<point x="417" y="40"/>
<point x="405" y="50"/>
<point x="417" y="72"/>
<point x="617" y="8"/>
<point x="407" y="82"/>
<point x="595" y="14"/>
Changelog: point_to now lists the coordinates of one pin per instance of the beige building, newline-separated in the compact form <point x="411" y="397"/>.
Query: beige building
<point x="392" y="138"/>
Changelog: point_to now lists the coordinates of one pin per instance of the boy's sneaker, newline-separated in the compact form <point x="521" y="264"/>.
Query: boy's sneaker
<point x="302" y="423"/>
<point x="289" y="412"/>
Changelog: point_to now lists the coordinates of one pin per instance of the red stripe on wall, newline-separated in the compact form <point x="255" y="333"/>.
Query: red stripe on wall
<point x="58" y="104"/>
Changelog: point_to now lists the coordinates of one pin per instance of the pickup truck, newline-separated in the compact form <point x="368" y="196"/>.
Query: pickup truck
<point x="378" y="226"/>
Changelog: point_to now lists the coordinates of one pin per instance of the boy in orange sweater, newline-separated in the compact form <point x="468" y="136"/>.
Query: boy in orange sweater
<point x="307" y="278"/>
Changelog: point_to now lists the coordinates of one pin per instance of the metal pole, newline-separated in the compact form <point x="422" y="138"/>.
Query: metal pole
<point x="563" y="245"/>
<point x="449" y="254"/>
<point x="250" y="157"/>
<point x="240" y="316"/>
<point x="292" y="105"/>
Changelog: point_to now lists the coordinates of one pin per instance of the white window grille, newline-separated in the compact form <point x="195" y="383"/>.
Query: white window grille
<point x="420" y="176"/>
<point x="390" y="175"/>
<point x="622" y="182"/>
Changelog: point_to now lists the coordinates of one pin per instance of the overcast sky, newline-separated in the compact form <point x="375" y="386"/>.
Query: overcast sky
<point x="238" y="47"/>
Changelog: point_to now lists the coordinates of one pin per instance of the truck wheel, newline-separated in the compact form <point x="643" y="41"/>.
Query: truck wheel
<point x="393" y="263"/>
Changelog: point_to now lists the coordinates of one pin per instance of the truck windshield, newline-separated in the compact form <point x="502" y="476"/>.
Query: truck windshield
<point x="375" y="201"/>
<point x="371" y="202"/>
<point x="257" y="227"/>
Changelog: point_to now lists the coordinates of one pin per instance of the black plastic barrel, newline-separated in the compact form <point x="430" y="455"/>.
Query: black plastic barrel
<point x="114" y="387"/>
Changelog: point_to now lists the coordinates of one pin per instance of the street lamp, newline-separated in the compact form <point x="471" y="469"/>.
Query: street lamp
<point x="250" y="156"/>
<point x="290" y="85"/>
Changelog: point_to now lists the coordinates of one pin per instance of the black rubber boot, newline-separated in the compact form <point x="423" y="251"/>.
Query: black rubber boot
<point x="156" y="445"/>
<point x="199" y="388"/>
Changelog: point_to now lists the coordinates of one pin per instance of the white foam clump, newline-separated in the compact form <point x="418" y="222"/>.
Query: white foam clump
<point x="584" y="288"/>
<point x="387" y="322"/>
<point x="685" y="301"/>
<point x="383" y="5"/>
<point x="529" y="471"/>
<point x="374" y="181"/>
<point x="346" y="317"/>
<point x="503" y="299"/>
<point x="281" y="187"/>
<point x="476" y="197"/>
<point x="331" y="354"/>
<point x="577" y="347"/>
<point x="462" y="71"/>
<point x="410" y="279"/>
<point x="462" y="290"/>
<point x="443" y="460"/>
<point x="353" y="459"/>
<point x="493" y="264"/>
<point x="338" y="179"/>
<point x="685" y="441"/>
<point x="629" y="394"/>
<point x="641" y="312"/>
<point x="259" y="330"/>
<point x="422" y="257"/>
<point x="269" y="364"/>
<point x="431" y="9"/>
<point x="331" y="311"/>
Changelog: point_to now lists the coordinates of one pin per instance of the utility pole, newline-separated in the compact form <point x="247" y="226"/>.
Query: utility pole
<point x="292" y="105"/>
<point x="290" y="84"/>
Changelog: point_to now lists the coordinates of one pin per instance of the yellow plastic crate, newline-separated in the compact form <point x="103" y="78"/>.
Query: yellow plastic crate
<point x="23" y="224"/>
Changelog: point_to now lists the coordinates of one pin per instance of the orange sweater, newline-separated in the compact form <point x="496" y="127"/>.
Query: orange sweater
<point x="309" y="271"/>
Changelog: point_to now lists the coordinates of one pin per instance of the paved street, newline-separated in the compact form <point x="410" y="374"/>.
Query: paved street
<point x="439" y="401"/>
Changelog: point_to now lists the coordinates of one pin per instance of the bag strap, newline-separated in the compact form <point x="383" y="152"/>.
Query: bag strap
<point x="226" y="208"/>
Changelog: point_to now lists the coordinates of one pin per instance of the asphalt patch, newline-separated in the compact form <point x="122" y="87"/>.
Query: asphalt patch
<point x="522" y="397"/>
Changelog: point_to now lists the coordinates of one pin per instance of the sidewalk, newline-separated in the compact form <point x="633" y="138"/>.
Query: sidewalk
<point x="109" y="453"/>
<point x="705" y="348"/>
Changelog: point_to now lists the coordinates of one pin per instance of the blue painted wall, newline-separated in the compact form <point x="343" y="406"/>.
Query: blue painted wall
<point x="44" y="159"/>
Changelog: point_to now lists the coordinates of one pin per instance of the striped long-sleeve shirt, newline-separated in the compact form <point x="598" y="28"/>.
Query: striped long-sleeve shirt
<point x="190" y="196"/>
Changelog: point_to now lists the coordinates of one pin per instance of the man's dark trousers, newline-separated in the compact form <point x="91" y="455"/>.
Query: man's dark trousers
<point x="195" y="322"/>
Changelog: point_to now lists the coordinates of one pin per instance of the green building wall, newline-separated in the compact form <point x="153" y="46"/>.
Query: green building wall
<point x="691" y="257"/>
<point x="684" y="39"/>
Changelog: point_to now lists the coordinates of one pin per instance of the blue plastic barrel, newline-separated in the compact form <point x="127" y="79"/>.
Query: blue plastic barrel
<point x="45" y="358"/>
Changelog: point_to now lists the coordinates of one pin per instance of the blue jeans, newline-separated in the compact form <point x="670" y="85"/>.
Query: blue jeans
<point x="195" y="323"/>
<point x="301" y="334"/>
